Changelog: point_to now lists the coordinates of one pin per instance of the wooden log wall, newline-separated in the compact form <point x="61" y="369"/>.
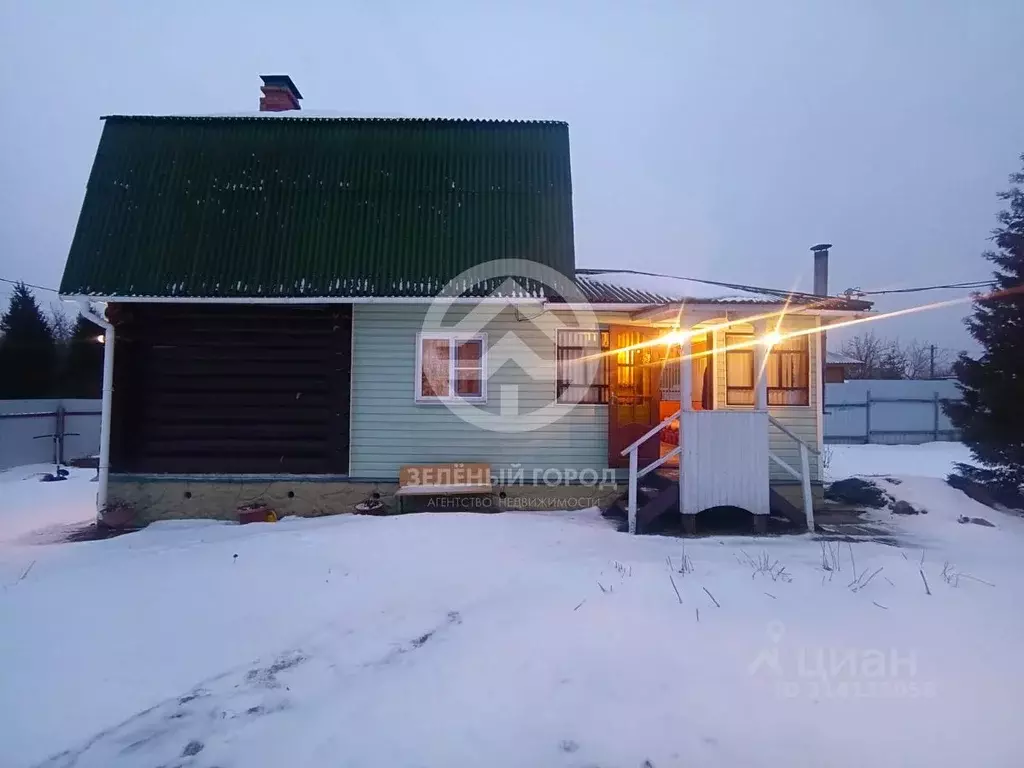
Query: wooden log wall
<point x="231" y="389"/>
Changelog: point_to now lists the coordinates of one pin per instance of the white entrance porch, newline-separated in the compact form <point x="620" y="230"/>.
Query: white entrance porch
<point x="723" y="454"/>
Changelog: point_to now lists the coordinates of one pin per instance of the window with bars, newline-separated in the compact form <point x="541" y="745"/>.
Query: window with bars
<point x="451" y="367"/>
<point x="582" y="374"/>
<point x="787" y="370"/>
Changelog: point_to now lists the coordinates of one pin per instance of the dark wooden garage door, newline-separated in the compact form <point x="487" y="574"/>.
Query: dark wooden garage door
<point x="231" y="389"/>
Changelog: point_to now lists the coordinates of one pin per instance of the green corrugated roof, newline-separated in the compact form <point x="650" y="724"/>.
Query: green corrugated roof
<point x="265" y="207"/>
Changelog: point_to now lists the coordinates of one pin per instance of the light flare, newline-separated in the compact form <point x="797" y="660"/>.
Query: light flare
<point x="776" y="336"/>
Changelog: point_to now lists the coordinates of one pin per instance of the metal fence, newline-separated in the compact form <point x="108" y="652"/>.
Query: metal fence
<point x="48" y="431"/>
<point x="889" y="411"/>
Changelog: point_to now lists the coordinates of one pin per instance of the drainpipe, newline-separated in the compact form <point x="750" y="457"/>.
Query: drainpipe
<point x="108" y="392"/>
<point x="820" y="252"/>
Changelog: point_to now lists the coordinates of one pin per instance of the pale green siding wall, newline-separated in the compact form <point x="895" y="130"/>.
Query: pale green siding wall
<point x="801" y="420"/>
<point x="389" y="429"/>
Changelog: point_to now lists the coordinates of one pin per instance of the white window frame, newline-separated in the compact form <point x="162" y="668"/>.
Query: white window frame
<point x="452" y="338"/>
<point x="811" y="395"/>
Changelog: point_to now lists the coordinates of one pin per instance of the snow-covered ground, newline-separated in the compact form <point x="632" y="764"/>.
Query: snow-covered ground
<point x="925" y="460"/>
<point x="514" y="639"/>
<point x="32" y="511"/>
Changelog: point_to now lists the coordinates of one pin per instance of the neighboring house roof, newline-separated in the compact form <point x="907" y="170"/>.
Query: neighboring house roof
<point x="835" y="358"/>
<point x="316" y="207"/>
<point x="624" y="287"/>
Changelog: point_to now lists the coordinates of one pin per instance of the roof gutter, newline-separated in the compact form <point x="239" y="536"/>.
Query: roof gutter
<point x="108" y="392"/>
<point x="302" y="299"/>
<point x="550" y="305"/>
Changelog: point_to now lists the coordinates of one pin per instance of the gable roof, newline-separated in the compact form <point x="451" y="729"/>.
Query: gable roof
<point x="316" y="207"/>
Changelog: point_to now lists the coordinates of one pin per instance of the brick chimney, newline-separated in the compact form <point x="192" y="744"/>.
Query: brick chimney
<point x="279" y="94"/>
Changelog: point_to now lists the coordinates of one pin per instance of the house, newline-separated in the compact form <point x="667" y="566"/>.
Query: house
<point x="838" y="366"/>
<point x="296" y="307"/>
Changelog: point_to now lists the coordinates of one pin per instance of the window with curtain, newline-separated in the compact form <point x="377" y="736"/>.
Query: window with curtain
<point x="451" y="367"/>
<point x="739" y="370"/>
<point x="581" y="375"/>
<point x="787" y="370"/>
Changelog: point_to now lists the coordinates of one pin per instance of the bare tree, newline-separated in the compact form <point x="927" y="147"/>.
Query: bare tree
<point x="869" y="349"/>
<point x="891" y="359"/>
<point x="918" y="360"/>
<point x="61" y="324"/>
<point x="894" y="362"/>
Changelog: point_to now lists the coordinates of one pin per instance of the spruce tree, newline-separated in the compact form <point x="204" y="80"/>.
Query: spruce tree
<point x="28" y="355"/>
<point x="83" y="368"/>
<point x="990" y="416"/>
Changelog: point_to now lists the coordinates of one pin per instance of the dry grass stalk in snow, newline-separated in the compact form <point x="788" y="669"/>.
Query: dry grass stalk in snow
<point x="678" y="596"/>
<point x="685" y="564"/>
<point x="830" y="557"/>
<point x="952" y="576"/>
<point x="766" y="565"/>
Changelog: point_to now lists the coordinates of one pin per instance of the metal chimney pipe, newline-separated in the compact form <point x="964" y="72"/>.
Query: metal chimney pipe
<point x="820" y="252"/>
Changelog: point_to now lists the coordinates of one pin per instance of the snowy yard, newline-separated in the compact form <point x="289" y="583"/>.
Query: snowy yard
<point x="509" y="640"/>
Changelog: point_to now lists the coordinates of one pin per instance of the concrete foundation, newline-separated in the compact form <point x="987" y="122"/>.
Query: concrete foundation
<point x="142" y="500"/>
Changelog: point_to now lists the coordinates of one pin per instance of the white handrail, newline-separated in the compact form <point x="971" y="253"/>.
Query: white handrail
<point x="778" y="425"/>
<point x="805" y="468"/>
<point x="655" y="464"/>
<point x="635" y="474"/>
<point x="785" y="465"/>
<point x="650" y="433"/>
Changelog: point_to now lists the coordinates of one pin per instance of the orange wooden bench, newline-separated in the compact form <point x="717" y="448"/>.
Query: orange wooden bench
<point x="457" y="479"/>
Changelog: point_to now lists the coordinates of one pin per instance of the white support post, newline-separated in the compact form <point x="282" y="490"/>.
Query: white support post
<point x="103" y="473"/>
<point x="760" y="374"/>
<point x="819" y="394"/>
<point x="685" y="398"/>
<point x="805" y="481"/>
<point x="632" y="489"/>
<point x="685" y="374"/>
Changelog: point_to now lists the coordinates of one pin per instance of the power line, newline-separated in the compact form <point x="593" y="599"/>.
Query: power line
<point x="28" y="285"/>
<point x="919" y="289"/>
<point x="853" y="292"/>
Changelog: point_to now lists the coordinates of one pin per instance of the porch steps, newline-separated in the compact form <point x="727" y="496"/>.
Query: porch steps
<point x="657" y="507"/>
<point x="780" y="506"/>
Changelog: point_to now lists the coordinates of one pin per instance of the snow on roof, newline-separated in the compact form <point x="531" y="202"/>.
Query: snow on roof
<point x="835" y="358"/>
<point x="626" y="287"/>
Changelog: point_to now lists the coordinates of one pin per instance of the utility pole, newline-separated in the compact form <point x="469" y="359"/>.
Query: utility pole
<point x="931" y="362"/>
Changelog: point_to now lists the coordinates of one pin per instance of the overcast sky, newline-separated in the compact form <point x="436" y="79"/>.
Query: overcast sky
<point x="709" y="139"/>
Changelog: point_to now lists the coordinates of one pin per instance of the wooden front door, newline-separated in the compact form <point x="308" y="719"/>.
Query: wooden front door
<point x="634" y="392"/>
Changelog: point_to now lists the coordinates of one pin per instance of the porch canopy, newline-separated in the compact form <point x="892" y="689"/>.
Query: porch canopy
<point x="694" y="306"/>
